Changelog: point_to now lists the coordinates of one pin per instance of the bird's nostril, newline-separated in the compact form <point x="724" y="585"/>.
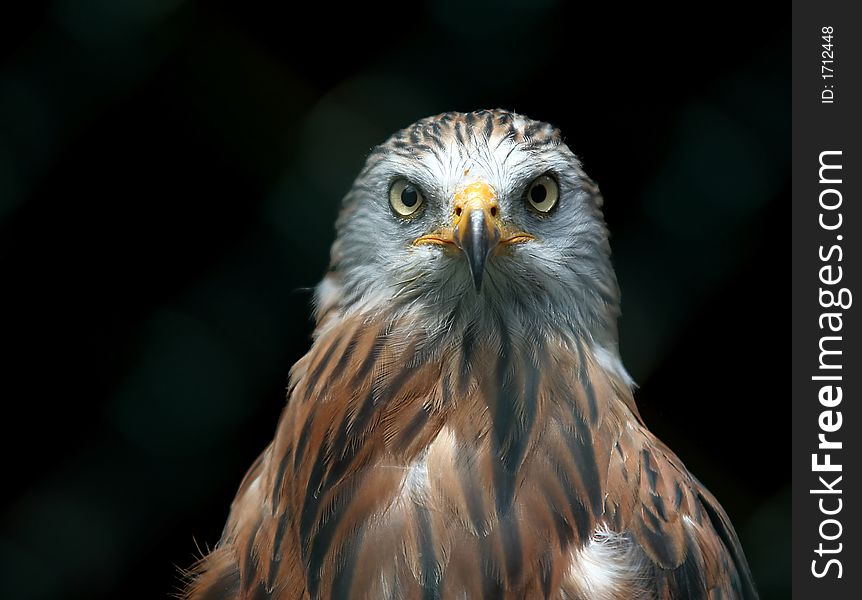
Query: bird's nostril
<point x="458" y="210"/>
<point x="493" y="211"/>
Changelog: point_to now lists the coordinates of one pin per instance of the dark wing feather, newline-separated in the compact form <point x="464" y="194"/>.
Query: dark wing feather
<point x="744" y="585"/>
<point x="691" y="547"/>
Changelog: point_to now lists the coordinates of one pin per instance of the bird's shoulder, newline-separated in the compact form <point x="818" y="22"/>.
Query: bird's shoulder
<point x="680" y="536"/>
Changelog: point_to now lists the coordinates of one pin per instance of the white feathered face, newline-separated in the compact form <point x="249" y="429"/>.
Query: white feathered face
<point x="477" y="213"/>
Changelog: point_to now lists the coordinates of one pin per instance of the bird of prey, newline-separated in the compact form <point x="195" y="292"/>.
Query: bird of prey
<point x="463" y="427"/>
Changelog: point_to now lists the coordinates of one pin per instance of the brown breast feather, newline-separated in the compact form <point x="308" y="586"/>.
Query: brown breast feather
<point x="406" y="468"/>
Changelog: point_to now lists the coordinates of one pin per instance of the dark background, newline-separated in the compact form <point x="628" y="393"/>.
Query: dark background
<point x="169" y="175"/>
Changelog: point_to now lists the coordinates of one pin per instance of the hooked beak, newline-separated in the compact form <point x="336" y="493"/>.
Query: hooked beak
<point x="476" y="229"/>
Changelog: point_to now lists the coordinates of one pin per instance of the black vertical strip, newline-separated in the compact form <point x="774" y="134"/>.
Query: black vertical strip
<point x="686" y="581"/>
<point x="309" y="508"/>
<point x="275" y="556"/>
<point x="321" y="366"/>
<point x="445" y="388"/>
<point x="345" y="448"/>
<point x="658" y="505"/>
<point x="459" y="134"/>
<point x="277" y="496"/>
<point x="344" y="359"/>
<point x="472" y="490"/>
<point x="547" y="575"/>
<point x="730" y="541"/>
<point x="344" y="455"/>
<point x="492" y="586"/>
<point x="248" y="567"/>
<point x="302" y="443"/>
<point x="505" y="429"/>
<point x="489" y="126"/>
<point x="530" y="404"/>
<point x="322" y="478"/>
<point x="583" y="523"/>
<point x="431" y="585"/>
<point x="470" y="120"/>
<point x="653" y="536"/>
<point x="320" y="545"/>
<point x="563" y="528"/>
<point x="345" y="445"/>
<point x="677" y="495"/>
<point x="584" y="378"/>
<point x="343" y="582"/>
<point x="510" y="538"/>
<point x="652" y="474"/>
<point x="511" y="430"/>
<point x="436" y="136"/>
<point x="583" y="454"/>
<point x="468" y="345"/>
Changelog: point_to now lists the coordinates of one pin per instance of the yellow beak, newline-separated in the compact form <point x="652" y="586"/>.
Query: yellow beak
<point x="476" y="228"/>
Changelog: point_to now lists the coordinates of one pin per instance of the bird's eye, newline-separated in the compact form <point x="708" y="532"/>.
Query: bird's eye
<point x="405" y="198"/>
<point x="543" y="194"/>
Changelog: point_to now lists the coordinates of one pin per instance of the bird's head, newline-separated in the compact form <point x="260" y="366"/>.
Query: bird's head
<point x="472" y="216"/>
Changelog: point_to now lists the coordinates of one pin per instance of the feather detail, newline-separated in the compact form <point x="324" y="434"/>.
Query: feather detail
<point x="387" y="479"/>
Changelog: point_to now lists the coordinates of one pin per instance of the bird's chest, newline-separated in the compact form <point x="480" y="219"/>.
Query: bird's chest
<point x="476" y="477"/>
<point x="458" y="519"/>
